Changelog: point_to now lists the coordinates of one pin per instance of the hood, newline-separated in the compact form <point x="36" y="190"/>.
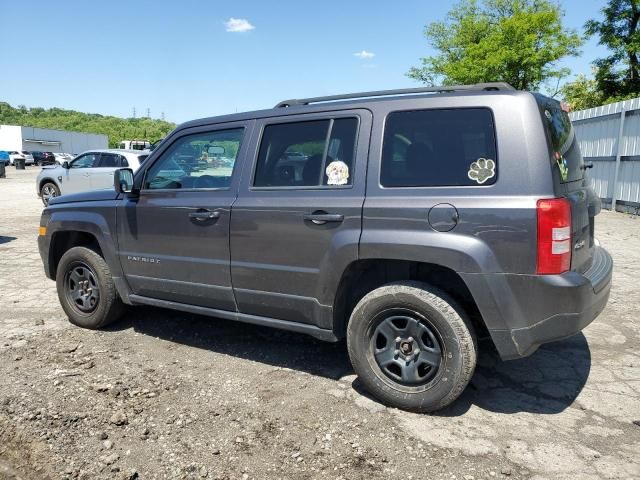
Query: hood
<point x="90" y="196"/>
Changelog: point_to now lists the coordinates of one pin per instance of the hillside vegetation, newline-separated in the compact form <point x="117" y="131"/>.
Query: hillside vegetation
<point x="117" y="129"/>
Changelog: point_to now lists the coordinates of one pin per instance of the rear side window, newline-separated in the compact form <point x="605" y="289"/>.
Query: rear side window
<point x="307" y="154"/>
<point x="109" y="160"/>
<point x="439" y="147"/>
<point x="566" y="155"/>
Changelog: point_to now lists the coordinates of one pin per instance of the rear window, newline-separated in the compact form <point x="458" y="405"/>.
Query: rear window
<point x="439" y="147"/>
<point x="141" y="159"/>
<point x="566" y="156"/>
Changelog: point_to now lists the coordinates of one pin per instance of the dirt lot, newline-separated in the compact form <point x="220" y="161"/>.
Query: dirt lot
<point x="167" y="395"/>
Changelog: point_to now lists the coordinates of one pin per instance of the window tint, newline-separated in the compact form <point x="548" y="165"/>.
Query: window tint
<point x="85" y="161"/>
<point x="109" y="160"/>
<point x="307" y="154"/>
<point x="202" y="160"/>
<point x="431" y="148"/>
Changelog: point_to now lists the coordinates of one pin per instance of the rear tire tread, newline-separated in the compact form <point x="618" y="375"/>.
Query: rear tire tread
<point x="463" y="337"/>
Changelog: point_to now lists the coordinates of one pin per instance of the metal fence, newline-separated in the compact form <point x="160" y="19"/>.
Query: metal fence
<point x="609" y="137"/>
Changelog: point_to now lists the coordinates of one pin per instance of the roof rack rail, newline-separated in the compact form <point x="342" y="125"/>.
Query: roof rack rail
<point x="405" y="91"/>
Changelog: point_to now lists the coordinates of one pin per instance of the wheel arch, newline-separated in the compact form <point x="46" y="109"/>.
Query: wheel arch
<point x="63" y="240"/>
<point x="363" y="276"/>
<point x="44" y="180"/>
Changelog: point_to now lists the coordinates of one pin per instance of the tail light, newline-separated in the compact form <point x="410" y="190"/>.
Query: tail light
<point x="554" y="236"/>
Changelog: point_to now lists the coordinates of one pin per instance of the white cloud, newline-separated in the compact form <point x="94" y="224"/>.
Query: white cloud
<point x="364" y="54"/>
<point x="238" y="25"/>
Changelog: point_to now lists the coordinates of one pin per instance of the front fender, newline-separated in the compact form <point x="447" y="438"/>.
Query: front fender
<point x="100" y="224"/>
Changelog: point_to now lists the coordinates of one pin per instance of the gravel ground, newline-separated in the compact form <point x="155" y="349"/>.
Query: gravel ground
<point x="167" y="395"/>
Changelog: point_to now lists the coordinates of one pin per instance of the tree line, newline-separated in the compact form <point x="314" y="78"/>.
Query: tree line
<point x="522" y="42"/>
<point x="116" y="129"/>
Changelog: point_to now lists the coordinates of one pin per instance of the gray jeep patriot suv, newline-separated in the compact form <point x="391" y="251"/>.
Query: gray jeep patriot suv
<point x="410" y="222"/>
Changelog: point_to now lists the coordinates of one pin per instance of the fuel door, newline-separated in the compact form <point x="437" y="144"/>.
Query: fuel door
<point x="443" y="217"/>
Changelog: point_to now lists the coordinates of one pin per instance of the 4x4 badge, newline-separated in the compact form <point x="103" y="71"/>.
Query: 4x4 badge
<point x="482" y="170"/>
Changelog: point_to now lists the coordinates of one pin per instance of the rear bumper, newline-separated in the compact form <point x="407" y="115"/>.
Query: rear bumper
<point x="523" y="312"/>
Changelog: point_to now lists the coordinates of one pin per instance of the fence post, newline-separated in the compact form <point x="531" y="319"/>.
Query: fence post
<point x="618" y="155"/>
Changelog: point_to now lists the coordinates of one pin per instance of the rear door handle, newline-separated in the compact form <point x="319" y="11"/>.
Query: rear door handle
<point x="204" y="215"/>
<point x="320" y="218"/>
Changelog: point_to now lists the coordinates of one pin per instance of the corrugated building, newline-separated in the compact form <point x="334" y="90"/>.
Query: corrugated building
<point x="14" y="137"/>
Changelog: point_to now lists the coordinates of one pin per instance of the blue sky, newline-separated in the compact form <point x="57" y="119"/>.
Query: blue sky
<point x="179" y="57"/>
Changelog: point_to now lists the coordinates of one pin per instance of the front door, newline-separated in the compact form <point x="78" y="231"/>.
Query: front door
<point x="102" y="174"/>
<point x="174" y="237"/>
<point x="77" y="178"/>
<point x="297" y="221"/>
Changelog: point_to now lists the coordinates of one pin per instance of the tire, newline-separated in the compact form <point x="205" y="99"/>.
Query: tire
<point x="435" y="358"/>
<point x="47" y="191"/>
<point x="93" y="304"/>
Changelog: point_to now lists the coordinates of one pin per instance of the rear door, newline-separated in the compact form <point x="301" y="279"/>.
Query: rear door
<point x="174" y="237"/>
<point x="297" y="221"/>
<point x="570" y="182"/>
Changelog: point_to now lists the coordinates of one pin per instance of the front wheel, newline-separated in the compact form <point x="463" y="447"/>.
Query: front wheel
<point x="48" y="191"/>
<point x="411" y="346"/>
<point x="86" y="290"/>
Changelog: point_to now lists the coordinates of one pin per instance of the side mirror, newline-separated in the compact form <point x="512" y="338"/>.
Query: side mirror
<point x="65" y="165"/>
<point x="123" y="180"/>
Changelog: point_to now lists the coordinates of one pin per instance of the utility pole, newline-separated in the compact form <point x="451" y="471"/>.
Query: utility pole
<point x="162" y="116"/>
<point x="134" y="112"/>
<point x="148" y="113"/>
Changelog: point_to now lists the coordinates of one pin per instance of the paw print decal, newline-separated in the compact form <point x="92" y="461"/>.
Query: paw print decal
<point x="482" y="170"/>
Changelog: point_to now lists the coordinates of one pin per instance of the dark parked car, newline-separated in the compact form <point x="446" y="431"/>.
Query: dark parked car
<point x="411" y="222"/>
<point x="43" y="158"/>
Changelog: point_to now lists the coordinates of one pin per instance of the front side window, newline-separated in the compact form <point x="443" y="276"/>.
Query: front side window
<point x="439" y="147"/>
<point x="307" y="154"/>
<point x="201" y="160"/>
<point x="85" y="161"/>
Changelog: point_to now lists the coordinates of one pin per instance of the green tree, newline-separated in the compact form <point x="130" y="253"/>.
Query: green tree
<point x="582" y="93"/>
<point x="514" y="41"/>
<point x="618" y="75"/>
<point x="117" y="129"/>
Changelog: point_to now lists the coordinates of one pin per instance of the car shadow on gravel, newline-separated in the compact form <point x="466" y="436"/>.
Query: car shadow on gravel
<point x="4" y="239"/>
<point x="252" y="342"/>
<point x="547" y="382"/>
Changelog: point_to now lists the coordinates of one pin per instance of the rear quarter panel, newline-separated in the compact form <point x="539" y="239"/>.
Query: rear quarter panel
<point x="496" y="230"/>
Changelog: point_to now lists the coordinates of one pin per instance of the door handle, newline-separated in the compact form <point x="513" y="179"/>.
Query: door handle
<point x="204" y="215"/>
<point x="320" y="218"/>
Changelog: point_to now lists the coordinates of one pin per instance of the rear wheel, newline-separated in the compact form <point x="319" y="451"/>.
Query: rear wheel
<point x="411" y="346"/>
<point x="48" y="191"/>
<point x="86" y="290"/>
